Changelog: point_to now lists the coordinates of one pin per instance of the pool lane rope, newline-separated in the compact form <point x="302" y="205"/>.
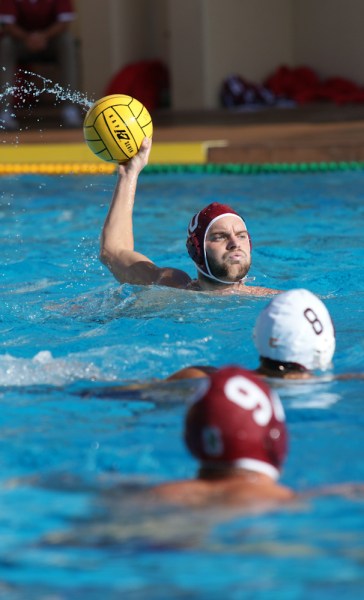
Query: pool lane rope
<point x="228" y="168"/>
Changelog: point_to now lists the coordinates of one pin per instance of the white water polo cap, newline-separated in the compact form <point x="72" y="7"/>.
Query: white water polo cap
<point x="296" y="327"/>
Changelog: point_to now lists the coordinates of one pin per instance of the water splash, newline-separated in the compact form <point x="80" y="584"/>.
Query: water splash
<point x="44" y="369"/>
<point x="27" y="89"/>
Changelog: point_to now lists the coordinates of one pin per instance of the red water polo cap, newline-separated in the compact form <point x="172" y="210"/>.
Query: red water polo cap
<point x="237" y="421"/>
<point x="197" y="231"/>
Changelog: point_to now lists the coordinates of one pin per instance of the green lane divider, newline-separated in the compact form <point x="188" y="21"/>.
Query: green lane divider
<point x="254" y="169"/>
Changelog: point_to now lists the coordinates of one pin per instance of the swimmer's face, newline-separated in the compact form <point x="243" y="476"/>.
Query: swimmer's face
<point x="228" y="248"/>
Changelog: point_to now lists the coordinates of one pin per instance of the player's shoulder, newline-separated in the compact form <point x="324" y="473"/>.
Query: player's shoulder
<point x="173" y="278"/>
<point x="185" y="492"/>
<point x="257" y="290"/>
<point x="192" y="372"/>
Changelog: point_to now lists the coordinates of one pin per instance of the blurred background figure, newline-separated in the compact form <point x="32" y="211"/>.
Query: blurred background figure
<point x="235" y="427"/>
<point x="38" y="31"/>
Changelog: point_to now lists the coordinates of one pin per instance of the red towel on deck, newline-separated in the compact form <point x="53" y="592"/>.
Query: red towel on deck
<point x="302" y="85"/>
<point x="147" y="81"/>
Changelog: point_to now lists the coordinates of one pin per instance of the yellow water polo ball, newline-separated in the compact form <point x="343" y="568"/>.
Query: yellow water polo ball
<point x="115" y="126"/>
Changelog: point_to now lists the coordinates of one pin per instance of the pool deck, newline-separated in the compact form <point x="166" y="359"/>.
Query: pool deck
<point x="311" y="133"/>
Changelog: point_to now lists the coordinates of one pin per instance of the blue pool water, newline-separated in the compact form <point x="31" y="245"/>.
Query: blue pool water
<point x="74" y="463"/>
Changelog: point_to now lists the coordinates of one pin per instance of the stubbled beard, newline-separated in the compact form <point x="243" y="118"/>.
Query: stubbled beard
<point x="222" y="271"/>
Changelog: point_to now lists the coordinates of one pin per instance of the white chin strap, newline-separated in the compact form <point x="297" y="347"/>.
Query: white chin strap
<point x="211" y="276"/>
<point x="250" y="464"/>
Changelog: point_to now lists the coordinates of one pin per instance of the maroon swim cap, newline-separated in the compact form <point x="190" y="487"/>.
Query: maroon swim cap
<point x="198" y="228"/>
<point x="238" y="421"/>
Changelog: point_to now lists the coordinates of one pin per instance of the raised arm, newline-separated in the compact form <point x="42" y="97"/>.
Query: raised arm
<point x="117" y="240"/>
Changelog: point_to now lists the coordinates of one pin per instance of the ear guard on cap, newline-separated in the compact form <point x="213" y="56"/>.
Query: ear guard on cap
<point x="194" y="249"/>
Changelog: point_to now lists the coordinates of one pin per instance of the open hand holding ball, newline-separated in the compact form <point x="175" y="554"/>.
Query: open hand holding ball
<point x="115" y="126"/>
